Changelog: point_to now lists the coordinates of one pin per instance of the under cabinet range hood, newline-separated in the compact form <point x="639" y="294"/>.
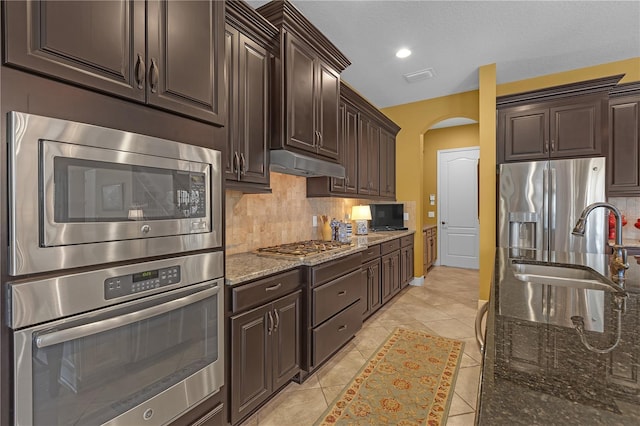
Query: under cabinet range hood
<point x="283" y="161"/>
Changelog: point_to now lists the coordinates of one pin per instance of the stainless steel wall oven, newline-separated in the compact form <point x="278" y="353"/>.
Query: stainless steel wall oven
<point x="139" y="341"/>
<point x="129" y="345"/>
<point x="83" y="195"/>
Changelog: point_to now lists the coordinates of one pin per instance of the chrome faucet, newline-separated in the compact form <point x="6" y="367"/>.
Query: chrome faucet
<point x="618" y="264"/>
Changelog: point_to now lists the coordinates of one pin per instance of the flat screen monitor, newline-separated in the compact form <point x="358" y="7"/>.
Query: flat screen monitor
<point x="387" y="217"/>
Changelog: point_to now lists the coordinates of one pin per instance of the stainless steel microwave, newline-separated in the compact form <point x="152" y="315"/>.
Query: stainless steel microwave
<point x="85" y="195"/>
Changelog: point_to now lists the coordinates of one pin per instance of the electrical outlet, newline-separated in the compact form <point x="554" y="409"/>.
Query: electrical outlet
<point x="314" y="220"/>
<point x="406" y="216"/>
<point x="431" y="214"/>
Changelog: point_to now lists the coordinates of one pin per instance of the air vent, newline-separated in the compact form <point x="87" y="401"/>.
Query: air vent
<point x="414" y="77"/>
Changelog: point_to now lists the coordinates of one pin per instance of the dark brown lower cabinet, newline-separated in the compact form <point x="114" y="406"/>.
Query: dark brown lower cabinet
<point x="406" y="260"/>
<point x="390" y="275"/>
<point x="265" y="352"/>
<point x="371" y="292"/>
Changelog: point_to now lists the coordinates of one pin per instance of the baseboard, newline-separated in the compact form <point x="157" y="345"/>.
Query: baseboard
<point x="417" y="281"/>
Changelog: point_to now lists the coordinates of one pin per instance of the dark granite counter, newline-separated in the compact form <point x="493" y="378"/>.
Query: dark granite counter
<point x="537" y="371"/>
<point x="245" y="267"/>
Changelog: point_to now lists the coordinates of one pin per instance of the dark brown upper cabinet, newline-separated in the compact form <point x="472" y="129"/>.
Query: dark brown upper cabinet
<point x="307" y="83"/>
<point x="166" y="54"/>
<point x="623" y="165"/>
<point x="367" y="147"/>
<point x="250" y="43"/>
<point x="566" y="121"/>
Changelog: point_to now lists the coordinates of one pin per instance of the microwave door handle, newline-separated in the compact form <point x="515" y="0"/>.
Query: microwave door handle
<point x="61" y="336"/>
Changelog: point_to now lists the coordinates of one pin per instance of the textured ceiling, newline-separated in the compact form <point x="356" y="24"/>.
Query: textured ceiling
<point x="523" y="38"/>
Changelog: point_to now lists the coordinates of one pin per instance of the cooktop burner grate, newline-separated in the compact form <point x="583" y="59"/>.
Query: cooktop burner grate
<point x="302" y="248"/>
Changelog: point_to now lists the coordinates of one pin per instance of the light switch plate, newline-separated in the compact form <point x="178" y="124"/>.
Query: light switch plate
<point x="406" y="216"/>
<point x="314" y="220"/>
<point x="431" y="214"/>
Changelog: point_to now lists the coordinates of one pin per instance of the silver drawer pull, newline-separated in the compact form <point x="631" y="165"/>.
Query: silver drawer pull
<point x="342" y="293"/>
<point x="342" y="328"/>
<point x="273" y="287"/>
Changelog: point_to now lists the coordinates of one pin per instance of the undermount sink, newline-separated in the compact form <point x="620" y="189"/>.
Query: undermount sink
<point x="563" y="276"/>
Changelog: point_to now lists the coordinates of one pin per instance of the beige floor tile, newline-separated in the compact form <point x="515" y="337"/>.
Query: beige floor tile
<point x="467" y="384"/>
<point x="467" y="361"/>
<point x="340" y="372"/>
<point x="311" y="383"/>
<point x="371" y="337"/>
<point x="451" y="328"/>
<point x="331" y="393"/>
<point x="457" y="310"/>
<point x="463" y="420"/>
<point x="458" y="406"/>
<point x="293" y="408"/>
<point x="471" y="348"/>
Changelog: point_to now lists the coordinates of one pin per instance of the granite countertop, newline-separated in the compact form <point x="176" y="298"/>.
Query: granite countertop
<point x="249" y="266"/>
<point x="537" y="371"/>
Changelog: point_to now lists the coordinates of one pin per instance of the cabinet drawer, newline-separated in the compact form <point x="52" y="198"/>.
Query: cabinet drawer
<point x="406" y="241"/>
<point x="371" y="253"/>
<point x="332" y="297"/>
<point x="334" y="333"/>
<point x="390" y="246"/>
<point x="264" y="290"/>
<point x="335" y="268"/>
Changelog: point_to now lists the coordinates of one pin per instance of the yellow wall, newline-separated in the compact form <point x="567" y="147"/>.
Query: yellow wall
<point x="487" y="123"/>
<point x="417" y="117"/>
<point x="435" y="140"/>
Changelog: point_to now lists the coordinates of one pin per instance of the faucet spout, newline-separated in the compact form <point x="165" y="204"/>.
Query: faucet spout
<point x="619" y="262"/>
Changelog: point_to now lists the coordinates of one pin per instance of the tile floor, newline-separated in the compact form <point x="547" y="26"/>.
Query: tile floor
<point x="446" y="305"/>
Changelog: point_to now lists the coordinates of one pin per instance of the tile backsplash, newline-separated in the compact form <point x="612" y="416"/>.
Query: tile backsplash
<point x="630" y="208"/>
<point x="284" y="216"/>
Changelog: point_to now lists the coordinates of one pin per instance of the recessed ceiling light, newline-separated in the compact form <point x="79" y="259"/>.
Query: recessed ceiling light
<point x="403" y="53"/>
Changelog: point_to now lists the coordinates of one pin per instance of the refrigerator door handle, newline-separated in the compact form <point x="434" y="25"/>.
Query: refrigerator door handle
<point x="545" y="209"/>
<point x="552" y="209"/>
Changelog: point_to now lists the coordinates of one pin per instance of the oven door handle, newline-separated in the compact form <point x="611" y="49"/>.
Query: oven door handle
<point x="61" y="336"/>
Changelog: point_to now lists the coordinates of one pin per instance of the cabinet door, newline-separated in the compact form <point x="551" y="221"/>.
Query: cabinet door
<point x="96" y="44"/>
<point x="369" y="157"/>
<point x="387" y="277"/>
<point x="251" y="371"/>
<point x="526" y="133"/>
<point x="365" y="282"/>
<point x="253" y="112"/>
<point x="300" y="117"/>
<point x="623" y="162"/>
<point x="434" y="246"/>
<point x="232" y="159"/>
<point x="387" y="165"/>
<point x="406" y="260"/>
<point x="327" y="99"/>
<point x="395" y="265"/>
<point x="576" y="129"/>
<point x="426" y="255"/>
<point x="348" y="150"/>
<point x="286" y="338"/>
<point x="185" y="61"/>
<point x="375" y="287"/>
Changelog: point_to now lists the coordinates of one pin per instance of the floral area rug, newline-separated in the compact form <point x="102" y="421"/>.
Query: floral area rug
<point x="409" y="380"/>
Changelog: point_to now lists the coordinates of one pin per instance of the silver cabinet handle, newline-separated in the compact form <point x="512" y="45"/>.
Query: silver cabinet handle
<point x="243" y="165"/>
<point x="154" y="76"/>
<point x="480" y="337"/>
<point x="140" y="72"/>
<point x="273" y="287"/>
<point x="342" y="293"/>
<point x="275" y="312"/>
<point x="270" y="326"/>
<point x="61" y="336"/>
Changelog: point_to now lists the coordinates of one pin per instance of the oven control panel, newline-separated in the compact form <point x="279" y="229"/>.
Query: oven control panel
<point x="139" y="282"/>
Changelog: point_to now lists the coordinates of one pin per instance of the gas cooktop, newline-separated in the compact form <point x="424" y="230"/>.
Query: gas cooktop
<point x="302" y="249"/>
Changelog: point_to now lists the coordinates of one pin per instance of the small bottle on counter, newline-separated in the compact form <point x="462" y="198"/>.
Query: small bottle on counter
<point x="334" y="229"/>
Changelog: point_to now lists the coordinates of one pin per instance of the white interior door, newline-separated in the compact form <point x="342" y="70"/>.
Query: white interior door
<point x="458" y="223"/>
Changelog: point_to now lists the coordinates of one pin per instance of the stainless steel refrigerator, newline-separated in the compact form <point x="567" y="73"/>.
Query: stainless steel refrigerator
<point x="541" y="201"/>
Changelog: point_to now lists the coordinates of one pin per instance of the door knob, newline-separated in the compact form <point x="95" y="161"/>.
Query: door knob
<point x="442" y="223"/>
